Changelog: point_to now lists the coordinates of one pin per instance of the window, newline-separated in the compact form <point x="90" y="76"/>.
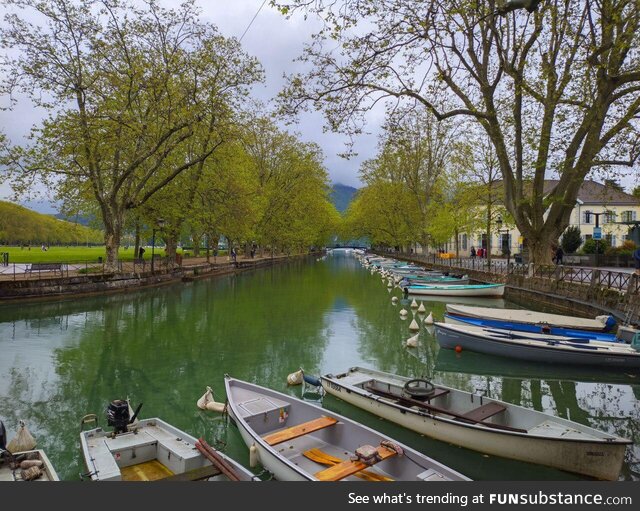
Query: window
<point x="587" y="217"/>
<point x="610" y="217"/>
<point x="629" y="216"/>
<point x="463" y="241"/>
<point x="611" y="239"/>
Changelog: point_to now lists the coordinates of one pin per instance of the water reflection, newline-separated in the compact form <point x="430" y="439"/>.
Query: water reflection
<point x="162" y="346"/>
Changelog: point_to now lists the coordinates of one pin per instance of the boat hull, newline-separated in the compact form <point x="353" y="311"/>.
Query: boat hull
<point x="457" y="290"/>
<point x="529" y="327"/>
<point x="537" y="351"/>
<point x="48" y="472"/>
<point x="599" y="460"/>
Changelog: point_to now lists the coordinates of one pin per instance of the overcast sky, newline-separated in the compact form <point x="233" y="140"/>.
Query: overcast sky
<point x="275" y="42"/>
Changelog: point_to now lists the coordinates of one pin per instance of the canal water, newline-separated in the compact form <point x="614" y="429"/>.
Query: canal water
<point x="163" y="346"/>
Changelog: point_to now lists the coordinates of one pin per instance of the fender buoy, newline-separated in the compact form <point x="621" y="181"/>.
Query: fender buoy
<point x="458" y="349"/>
<point x="214" y="406"/>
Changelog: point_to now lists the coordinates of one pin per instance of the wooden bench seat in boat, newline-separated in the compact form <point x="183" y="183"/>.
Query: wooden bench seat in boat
<point x="484" y="412"/>
<point x="301" y="429"/>
<point x="437" y="393"/>
<point x="349" y="467"/>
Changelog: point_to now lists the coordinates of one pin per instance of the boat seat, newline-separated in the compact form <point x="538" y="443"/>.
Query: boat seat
<point x="484" y="412"/>
<point x="301" y="429"/>
<point x="349" y="467"/>
<point x="438" y="392"/>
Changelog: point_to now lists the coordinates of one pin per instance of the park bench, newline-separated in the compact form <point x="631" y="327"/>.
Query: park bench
<point x="45" y="267"/>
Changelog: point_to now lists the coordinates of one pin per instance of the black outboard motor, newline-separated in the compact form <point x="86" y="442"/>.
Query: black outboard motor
<point x="3" y="437"/>
<point x="118" y="415"/>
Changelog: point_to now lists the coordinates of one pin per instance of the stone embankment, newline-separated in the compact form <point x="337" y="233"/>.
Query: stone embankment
<point x="82" y="284"/>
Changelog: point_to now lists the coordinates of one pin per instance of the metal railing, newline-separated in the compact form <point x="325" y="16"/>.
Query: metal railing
<point x="606" y="279"/>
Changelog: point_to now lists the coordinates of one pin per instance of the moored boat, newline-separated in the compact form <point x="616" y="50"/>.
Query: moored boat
<point x="299" y="441"/>
<point x="553" y="349"/>
<point x="531" y="328"/>
<point x="482" y="424"/>
<point x="151" y="450"/>
<point x="22" y="466"/>
<point x="434" y="280"/>
<point x="600" y="323"/>
<point x="493" y="290"/>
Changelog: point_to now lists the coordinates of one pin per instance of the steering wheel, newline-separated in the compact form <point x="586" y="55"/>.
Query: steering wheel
<point x="419" y="388"/>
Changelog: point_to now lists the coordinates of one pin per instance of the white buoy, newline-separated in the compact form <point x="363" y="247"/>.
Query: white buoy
<point x="421" y="308"/>
<point x="394" y="299"/>
<point x="429" y="319"/>
<point x="412" y="342"/>
<point x="253" y="456"/>
<point x="206" y="398"/>
<point x="414" y="325"/>
<point x="414" y="304"/>
<point x="295" y="378"/>
<point x="403" y="312"/>
<point x="214" y="406"/>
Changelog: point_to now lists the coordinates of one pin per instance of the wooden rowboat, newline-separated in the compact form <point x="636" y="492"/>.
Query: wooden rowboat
<point x="599" y="324"/>
<point x="30" y="465"/>
<point x="482" y="424"/>
<point x="553" y="349"/>
<point x="494" y="290"/>
<point x="152" y="450"/>
<point x="299" y="441"/>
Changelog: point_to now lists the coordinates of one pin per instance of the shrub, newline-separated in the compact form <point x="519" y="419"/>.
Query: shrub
<point x="571" y="239"/>
<point x="589" y="246"/>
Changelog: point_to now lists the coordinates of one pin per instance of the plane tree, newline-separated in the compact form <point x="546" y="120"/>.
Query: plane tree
<point x="126" y="86"/>
<point x="555" y="86"/>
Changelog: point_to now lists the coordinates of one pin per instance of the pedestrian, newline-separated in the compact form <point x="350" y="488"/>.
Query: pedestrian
<point x="233" y="254"/>
<point x="559" y="255"/>
<point x="636" y="260"/>
<point x="140" y="253"/>
<point x="473" y="253"/>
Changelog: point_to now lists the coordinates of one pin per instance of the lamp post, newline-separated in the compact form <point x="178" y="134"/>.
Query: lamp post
<point x="506" y="231"/>
<point x="597" y="233"/>
<point x="160" y="225"/>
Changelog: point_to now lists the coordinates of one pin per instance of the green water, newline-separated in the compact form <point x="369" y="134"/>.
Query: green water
<point x="163" y="346"/>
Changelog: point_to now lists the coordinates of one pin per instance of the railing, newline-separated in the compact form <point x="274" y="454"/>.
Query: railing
<point x="40" y="271"/>
<point x="626" y="282"/>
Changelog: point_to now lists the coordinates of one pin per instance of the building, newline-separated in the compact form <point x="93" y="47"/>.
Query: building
<point x="606" y="203"/>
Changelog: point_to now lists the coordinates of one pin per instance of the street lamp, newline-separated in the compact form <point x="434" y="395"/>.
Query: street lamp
<point x="160" y="225"/>
<point x="506" y="231"/>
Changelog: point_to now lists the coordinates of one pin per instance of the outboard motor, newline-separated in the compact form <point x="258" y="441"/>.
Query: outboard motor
<point x="118" y="415"/>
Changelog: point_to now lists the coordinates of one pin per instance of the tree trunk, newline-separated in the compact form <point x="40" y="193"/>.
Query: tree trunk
<point x="112" y="245"/>
<point x="197" y="239"/>
<point x="137" y="241"/>
<point x="171" y="247"/>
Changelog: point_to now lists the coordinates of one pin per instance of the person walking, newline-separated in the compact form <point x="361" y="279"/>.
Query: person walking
<point x="473" y="253"/>
<point x="636" y="260"/>
<point x="559" y="255"/>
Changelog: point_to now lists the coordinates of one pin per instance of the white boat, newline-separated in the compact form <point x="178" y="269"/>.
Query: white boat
<point x="151" y="450"/>
<point x="482" y="424"/>
<point x="600" y="323"/>
<point x="554" y="349"/>
<point x="13" y="468"/>
<point x="29" y="465"/>
<point x="493" y="290"/>
<point x="299" y="441"/>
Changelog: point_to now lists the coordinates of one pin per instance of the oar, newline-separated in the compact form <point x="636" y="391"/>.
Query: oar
<point x="326" y="459"/>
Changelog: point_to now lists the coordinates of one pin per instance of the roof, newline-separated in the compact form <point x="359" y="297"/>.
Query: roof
<point x="592" y="192"/>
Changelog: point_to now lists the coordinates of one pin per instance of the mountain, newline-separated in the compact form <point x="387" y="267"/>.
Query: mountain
<point x="341" y="195"/>
<point x="21" y="225"/>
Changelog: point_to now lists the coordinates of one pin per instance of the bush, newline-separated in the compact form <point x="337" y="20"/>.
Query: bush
<point x="589" y="246"/>
<point x="626" y="249"/>
<point x="571" y="240"/>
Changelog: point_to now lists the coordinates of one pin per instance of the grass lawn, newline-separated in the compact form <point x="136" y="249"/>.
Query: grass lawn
<point x="69" y="254"/>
